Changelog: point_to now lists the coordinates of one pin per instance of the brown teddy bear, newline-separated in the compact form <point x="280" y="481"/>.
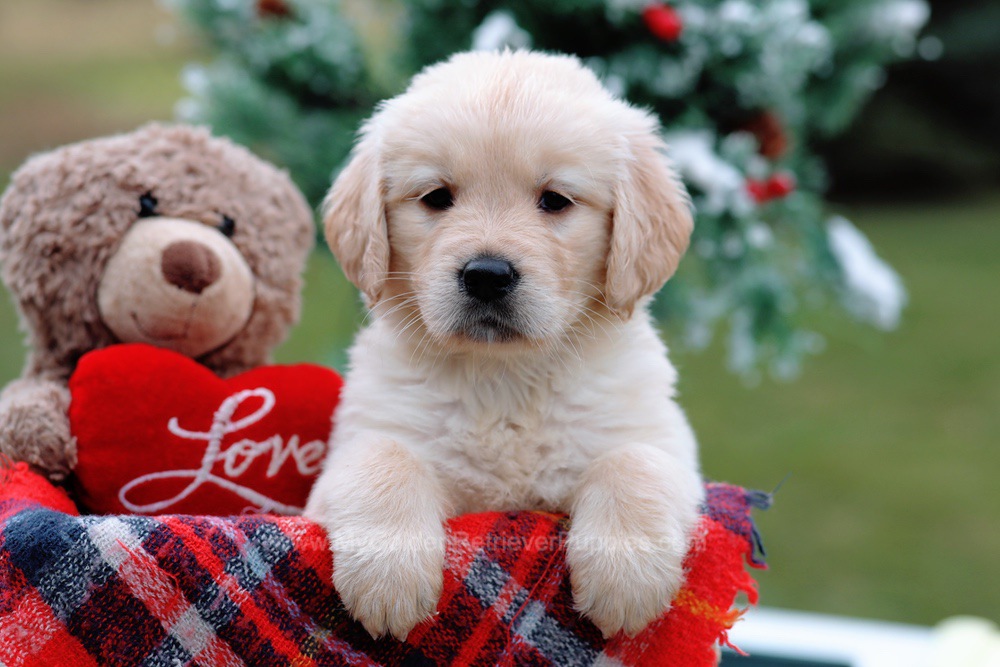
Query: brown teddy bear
<point x="166" y="236"/>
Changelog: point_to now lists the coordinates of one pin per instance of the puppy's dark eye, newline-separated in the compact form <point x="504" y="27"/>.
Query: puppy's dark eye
<point x="439" y="200"/>
<point x="227" y="226"/>
<point x="147" y="205"/>
<point x="553" y="202"/>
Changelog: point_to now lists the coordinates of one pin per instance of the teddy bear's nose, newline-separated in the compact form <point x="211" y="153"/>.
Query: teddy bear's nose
<point x="190" y="266"/>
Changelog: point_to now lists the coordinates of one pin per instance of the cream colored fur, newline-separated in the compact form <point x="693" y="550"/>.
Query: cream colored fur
<point x="574" y="413"/>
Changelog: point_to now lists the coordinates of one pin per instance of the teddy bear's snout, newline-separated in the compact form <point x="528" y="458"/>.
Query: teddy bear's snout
<point x="176" y="283"/>
<point x="190" y="265"/>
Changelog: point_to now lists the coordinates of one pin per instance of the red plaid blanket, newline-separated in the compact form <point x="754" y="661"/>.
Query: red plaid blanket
<point x="255" y="590"/>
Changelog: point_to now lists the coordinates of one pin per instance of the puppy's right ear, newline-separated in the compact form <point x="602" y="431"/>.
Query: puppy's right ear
<point x="354" y="219"/>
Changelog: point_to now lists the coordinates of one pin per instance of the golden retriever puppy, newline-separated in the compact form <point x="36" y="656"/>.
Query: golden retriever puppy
<point x="507" y="220"/>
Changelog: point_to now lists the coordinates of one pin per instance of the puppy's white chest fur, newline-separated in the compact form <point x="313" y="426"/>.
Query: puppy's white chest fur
<point x="516" y="434"/>
<point x="503" y="446"/>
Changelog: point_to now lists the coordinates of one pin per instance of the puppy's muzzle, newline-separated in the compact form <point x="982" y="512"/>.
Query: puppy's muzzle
<point x="488" y="279"/>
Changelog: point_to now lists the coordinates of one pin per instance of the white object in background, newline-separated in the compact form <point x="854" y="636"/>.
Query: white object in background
<point x="966" y="641"/>
<point x="848" y="641"/>
<point x="499" y="30"/>
<point x="876" y="293"/>
<point x="724" y="187"/>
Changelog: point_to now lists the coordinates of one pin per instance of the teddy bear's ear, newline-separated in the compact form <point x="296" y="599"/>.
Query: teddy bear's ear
<point x="354" y="218"/>
<point x="8" y="207"/>
<point x="12" y="203"/>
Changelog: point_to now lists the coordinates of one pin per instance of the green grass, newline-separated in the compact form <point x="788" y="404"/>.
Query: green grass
<point x="891" y="508"/>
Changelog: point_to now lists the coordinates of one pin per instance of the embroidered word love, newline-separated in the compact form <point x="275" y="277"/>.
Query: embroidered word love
<point x="236" y="458"/>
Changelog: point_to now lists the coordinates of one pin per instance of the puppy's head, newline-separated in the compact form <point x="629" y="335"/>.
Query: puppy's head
<point x="504" y="199"/>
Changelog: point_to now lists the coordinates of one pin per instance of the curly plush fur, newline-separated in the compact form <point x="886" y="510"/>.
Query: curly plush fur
<point x="62" y="219"/>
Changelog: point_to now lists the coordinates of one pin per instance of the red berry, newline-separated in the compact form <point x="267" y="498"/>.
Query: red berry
<point x="769" y="131"/>
<point x="780" y="185"/>
<point x="663" y="22"/>
<point x="273" y="9"/>
<point x="759" y="190"/>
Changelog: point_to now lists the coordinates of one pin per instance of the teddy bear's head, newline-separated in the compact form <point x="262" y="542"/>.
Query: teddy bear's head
<point x="167" y="236"/>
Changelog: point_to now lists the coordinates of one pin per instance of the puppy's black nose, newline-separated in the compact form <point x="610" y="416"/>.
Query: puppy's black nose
<point x="488" y="278"/>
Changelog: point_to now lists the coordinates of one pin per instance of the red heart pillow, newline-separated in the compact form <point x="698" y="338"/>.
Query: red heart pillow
<point x="158" y="433"/>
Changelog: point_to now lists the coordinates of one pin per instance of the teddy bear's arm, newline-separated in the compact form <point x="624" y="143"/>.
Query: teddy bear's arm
<point x="34" y="426"/>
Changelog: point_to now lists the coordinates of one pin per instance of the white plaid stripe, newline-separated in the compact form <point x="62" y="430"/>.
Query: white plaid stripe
<point x="495" y="588"/>
<point x="122" y="549"/>
<point x="558" y="644"/>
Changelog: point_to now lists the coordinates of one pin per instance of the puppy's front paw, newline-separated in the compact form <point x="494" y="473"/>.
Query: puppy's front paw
<point x="392" y="583"/>
<point x="623" y="582"/>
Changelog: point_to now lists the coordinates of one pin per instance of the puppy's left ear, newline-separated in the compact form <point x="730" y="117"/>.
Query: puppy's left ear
<point x="354" y="219"/>
<point x="651" y="223"/>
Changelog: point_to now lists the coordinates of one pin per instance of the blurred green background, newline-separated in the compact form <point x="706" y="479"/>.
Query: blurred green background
<point x="891" y="508"/>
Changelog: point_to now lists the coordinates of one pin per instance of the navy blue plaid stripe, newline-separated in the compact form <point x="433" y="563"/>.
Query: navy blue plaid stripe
<point x="169" y="653"/>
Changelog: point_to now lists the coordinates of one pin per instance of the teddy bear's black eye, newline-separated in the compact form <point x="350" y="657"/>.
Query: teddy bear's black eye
<point x="147" y="205"/>
<point x="439" y="200"/>
<point x="227" y="226"/>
